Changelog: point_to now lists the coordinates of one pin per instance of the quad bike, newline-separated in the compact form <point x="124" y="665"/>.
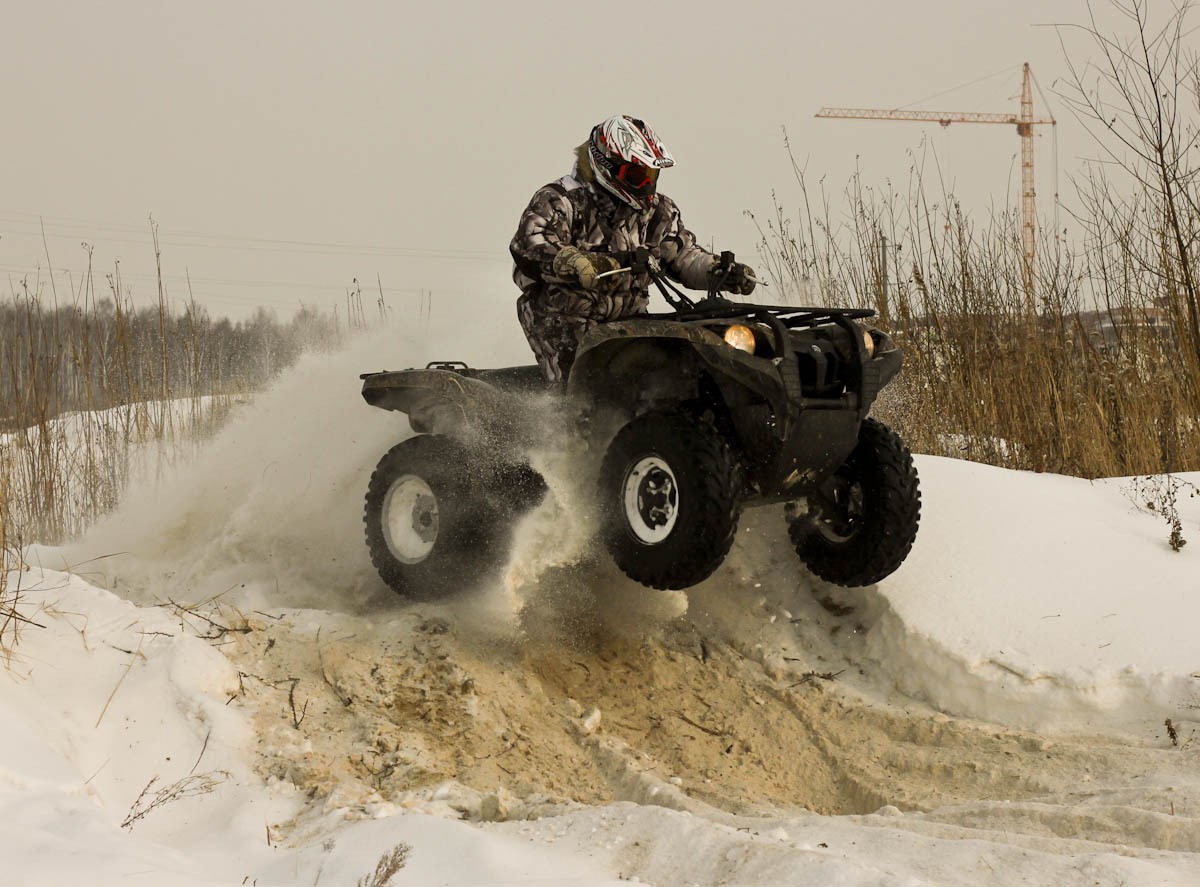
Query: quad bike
<point x="716" y="406"/>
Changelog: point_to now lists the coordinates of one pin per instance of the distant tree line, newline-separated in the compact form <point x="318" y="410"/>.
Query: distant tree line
<point x="105" y="352"/>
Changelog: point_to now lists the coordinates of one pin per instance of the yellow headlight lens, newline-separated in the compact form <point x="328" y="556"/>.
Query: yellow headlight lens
<point x="740" y="337"/>
<point x="869" y="341"/>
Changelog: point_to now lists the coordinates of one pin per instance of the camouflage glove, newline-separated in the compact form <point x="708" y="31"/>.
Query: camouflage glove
<point x="737" y="278"/>
<point x="572" y="262"/>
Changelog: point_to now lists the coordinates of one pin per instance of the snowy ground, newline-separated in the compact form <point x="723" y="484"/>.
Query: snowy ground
<point x="250" y="706"/>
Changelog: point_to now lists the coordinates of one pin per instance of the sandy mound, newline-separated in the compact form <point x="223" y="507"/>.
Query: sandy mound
<point x="670" y="699"/>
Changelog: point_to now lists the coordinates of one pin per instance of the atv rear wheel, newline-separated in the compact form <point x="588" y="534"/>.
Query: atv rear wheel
<point x="435" y="520"/>
<point x="861" y="524"/>
<point x="670" y="489"/>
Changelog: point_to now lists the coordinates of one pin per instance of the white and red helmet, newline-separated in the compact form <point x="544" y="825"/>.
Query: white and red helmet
<point x="626" y="156"/>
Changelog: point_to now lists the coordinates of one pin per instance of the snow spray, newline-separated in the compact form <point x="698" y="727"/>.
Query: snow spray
<point x="270" y="512"/>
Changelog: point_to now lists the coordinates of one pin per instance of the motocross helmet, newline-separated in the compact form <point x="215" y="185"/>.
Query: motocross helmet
<point x="626" y="157"/>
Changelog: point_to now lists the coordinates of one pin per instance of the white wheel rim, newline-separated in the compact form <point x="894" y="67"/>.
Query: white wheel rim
<point x="651" y="498"/>
<point x="410" y="519"/>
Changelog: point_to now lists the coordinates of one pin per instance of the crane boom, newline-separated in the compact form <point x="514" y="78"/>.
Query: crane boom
<point x="945" y="118"/>
<point x="1024" y="122"/>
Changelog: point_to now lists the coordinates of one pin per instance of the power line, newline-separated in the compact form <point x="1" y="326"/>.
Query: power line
<point x="215" y="281"/>
<point x="230" y="241"/>
<point x="208" y="289"/>
<point x="370" y="252"/>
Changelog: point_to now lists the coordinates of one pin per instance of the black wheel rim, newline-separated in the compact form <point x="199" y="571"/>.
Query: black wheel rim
<point x="837" y="511"/>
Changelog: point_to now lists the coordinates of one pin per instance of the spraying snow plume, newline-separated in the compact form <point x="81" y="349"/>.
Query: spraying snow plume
<point x="271" y="509"/>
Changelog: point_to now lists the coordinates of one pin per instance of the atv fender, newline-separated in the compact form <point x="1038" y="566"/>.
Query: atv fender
<point x="440" y="401"/>
<point x="617" y="360"/>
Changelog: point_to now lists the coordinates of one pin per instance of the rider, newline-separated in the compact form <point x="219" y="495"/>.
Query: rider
<point x="580" y="226"/>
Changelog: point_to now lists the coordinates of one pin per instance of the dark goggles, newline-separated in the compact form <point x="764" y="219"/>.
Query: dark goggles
<point x="637" y="177"/>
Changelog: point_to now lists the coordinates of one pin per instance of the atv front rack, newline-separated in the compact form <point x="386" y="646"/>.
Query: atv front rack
<point x="790" y="316"/>
<point x="716" y="307"/>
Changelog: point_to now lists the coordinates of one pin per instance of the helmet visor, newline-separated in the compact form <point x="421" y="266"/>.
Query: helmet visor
<point x="637" y="178"/>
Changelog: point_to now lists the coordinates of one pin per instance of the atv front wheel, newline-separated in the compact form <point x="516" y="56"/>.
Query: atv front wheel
<point x="862" y="522"/>
<point x="671" y="490"/>
<point x="435" y="520"/>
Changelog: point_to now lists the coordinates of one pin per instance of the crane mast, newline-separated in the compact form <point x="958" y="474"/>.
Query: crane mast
<point x="1024" y="121"/>
<point x="1028" y="209"/>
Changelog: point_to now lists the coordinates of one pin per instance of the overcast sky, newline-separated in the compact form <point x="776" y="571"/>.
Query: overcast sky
<point x="286" y="148"/>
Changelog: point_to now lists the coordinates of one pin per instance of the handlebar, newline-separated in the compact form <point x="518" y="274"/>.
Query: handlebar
<point x="642" y="261"/>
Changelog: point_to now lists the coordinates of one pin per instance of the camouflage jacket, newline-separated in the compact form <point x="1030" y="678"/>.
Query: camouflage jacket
<point x="573" y="211"/>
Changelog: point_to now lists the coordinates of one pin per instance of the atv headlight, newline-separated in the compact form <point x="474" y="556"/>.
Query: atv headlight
<point x="868" y="341"/>
<point x="740" y="337"/>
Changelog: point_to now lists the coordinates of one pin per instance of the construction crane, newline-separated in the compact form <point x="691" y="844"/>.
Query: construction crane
<point x="1024" y="122"/>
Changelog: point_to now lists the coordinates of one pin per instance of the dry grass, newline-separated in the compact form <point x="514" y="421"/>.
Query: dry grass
<point x="1159" y="494"/>
<point x="1102" y="378"/>
<point x="188" y="787"/>
<point x="388" y="866"/>
<point x="12" y="619"/>
<point x="8" y="593"/>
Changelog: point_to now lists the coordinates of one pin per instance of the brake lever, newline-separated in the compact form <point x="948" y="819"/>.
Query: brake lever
<point x="604" y="274"/>
<point x="655" y="267"/>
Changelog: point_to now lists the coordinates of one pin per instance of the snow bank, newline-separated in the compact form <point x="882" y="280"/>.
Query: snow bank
<point x="102" y="696"/>
<point x="1044" y="601"/>
<point x="105" y="706"/>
